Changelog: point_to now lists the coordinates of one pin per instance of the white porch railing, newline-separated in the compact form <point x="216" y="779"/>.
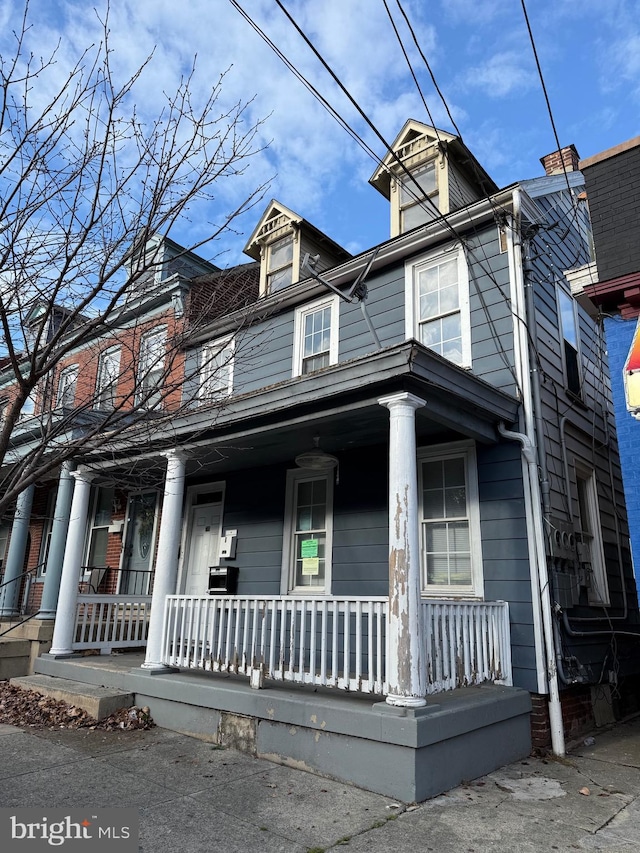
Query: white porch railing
<point x="107" y="622"/>
<point x="334" y="642"/>
<point x="467" y="643"/>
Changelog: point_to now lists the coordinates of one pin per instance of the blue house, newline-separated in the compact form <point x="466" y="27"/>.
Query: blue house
<point x="387" y="520"/>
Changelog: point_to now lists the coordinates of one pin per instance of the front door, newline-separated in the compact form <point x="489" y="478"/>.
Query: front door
<point x="138" y="550"/>
<point x="204" y="541"/>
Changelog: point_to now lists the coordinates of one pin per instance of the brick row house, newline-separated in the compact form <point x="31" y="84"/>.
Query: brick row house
<point x="392" y="478"/>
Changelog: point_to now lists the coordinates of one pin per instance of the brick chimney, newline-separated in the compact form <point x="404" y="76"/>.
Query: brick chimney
<point x="553" y="162"/>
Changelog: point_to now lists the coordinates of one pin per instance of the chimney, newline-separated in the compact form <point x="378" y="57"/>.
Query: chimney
<point x="553" y="162"/>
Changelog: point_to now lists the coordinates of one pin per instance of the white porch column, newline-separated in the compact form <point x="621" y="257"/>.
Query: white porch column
<point x="64" y="626"/>
<point x="14" y="565"/>
<point x="59" y="532"/>
<point x="167" y="561"/>
<point x="405" y="641"/>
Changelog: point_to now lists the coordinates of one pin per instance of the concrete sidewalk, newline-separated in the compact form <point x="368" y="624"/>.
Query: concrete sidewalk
<point x="193" y="796"/>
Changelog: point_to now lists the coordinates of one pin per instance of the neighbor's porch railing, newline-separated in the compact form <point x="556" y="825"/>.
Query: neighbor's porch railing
<point x="107" y="622"/>
<point x="333" y="642"/>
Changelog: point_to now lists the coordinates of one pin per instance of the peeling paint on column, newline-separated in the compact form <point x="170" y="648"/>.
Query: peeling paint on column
<point x="407" y="681"/>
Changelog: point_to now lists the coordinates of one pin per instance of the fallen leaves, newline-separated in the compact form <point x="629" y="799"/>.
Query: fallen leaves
<point x="27" y="709"/>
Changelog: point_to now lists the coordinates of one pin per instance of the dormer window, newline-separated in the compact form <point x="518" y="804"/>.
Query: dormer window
<point x="279" y="264"/>
<point x="428" y="173"/>
<point x="417" y="207"/>
<point x="280" y="241"/>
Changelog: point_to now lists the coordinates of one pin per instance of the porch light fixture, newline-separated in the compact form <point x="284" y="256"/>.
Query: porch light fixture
<point x="316" y="459"/>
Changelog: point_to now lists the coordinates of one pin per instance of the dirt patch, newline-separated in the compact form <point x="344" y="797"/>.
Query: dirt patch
<point x="30" y="710"/>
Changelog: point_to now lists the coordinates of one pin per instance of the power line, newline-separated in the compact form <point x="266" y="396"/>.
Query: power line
<point x="544" y="91"/>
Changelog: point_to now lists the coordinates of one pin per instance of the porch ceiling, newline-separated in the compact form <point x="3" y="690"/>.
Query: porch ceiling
<point x="340" y="406"/>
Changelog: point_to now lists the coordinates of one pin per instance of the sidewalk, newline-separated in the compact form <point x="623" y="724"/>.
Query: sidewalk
<point x="194" y="797"/>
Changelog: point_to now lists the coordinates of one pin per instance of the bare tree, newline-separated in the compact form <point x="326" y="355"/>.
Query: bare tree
<point x="85" y="185"/>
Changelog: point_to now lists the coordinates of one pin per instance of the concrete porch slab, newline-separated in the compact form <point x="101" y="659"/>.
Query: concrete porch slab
<point x="98" y="702"/>
<point x="410" y="755"/>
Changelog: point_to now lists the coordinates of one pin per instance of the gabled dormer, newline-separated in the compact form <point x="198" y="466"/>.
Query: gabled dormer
<point x="444" y="176"/>
<point x="159" y="258"/>
<point x="280" y="241"/>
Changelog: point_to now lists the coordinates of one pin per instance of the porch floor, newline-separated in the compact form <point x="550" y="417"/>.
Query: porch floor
<point x="409" y="754"/>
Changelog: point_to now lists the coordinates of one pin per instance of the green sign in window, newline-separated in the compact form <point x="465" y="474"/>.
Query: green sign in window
<point x="309" y="548"/>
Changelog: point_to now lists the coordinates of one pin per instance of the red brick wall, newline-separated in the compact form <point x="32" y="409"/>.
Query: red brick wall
<point x="577" y="716"/>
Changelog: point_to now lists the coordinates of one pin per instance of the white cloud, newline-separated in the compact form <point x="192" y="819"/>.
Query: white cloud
<point x="503" y="74"/>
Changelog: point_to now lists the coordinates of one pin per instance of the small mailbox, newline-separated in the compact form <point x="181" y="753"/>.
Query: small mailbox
<point x="223" y="579"/>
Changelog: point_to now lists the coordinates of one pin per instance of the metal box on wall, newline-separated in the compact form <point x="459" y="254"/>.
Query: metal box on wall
<point x="223" y="579"/>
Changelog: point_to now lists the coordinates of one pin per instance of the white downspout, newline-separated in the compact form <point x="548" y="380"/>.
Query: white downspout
<point x="533" y="503"/>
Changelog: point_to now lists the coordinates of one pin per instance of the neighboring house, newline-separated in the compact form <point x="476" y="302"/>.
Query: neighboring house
<point x="393" y="474"/>
<point x="612" y="285"/>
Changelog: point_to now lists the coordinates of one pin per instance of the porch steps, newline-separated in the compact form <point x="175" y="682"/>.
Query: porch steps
<point x="15" y="656"/>
<point x="97" y="701"/>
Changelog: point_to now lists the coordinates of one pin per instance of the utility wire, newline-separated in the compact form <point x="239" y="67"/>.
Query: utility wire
<point x="545" y="93"/>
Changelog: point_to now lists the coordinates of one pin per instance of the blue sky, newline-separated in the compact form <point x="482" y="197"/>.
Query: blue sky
<point x="479" y="51"/>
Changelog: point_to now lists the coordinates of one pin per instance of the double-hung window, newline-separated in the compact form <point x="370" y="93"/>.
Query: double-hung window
<point x="418" y="196"/>
<point x="279" y="264"/>
<point x="437" y="298"/>
<point x="151" y="368"/>
<point x="316" y="336"/>
<point x="216" y="370"/>
<point x="107" y="379"/>
<point x="450" y="524"/>
<point x="571" y="348"/>
<point x="308" y="532"/>
<point x="98" y="534"/>
<point x="67" y="384"/>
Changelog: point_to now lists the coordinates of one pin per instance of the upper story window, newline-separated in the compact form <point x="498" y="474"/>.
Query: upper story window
<point x="437" y="305"/>
<point x="67" y="384"/>
<point x="151" y="368"/>
<point x="216" y="370"/>
<point x="316" y="336"/>
<point x="571" y="344"/>
<point x="450" y="524"/>
<point x="279" y="264"/>
<point x="107" y="379"/>
<point x="418" y="196"/>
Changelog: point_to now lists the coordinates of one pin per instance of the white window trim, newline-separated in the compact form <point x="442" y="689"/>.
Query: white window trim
<point x="453" y="450"/>
<point x="143" y="393"/>
<point x="91" y="526"/>
<point x="599" y="590"/>
<point x="114" y="352"/>
<point x="71" y="370"/>
<point x="287" y="584"/>
<point x="411" y="270"/>
<point x="560" y="292"/>
<point x="218" y="347"/>
<point x="332" y="302"/>
<point x="406" y="184"/>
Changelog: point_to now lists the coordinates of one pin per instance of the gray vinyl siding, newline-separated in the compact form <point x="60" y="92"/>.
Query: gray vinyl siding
<point x="505" y="552"/>
<point x="310" y="247"/>
<point x="581" y="429"/>
<point x="386" y="310"/>
<point x="254" y="506"/>
<point x="461" y="193"/>
<point x="491" y="319"/>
